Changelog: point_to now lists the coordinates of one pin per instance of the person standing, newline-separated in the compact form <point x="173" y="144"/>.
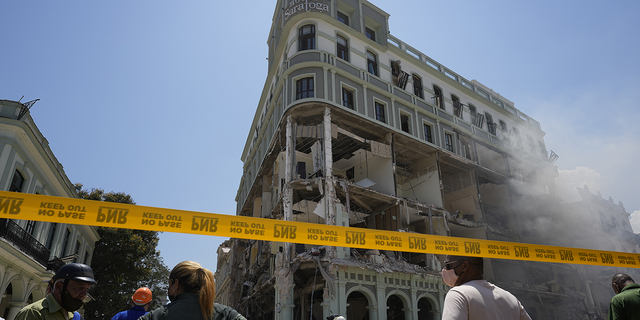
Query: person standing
<point x="140" y="302"/>
<point x="192" y="294"/>
<point x="625" y="305"/>
<point x="472" y="297"/>
<point x="71" y="284"/>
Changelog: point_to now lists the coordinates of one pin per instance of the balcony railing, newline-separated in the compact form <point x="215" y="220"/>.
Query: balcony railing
<point x="14" y="234"/>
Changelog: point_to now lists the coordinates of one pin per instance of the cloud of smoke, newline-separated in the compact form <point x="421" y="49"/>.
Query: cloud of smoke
<point x="635" y="221"/>
<point x="569" y="180"/>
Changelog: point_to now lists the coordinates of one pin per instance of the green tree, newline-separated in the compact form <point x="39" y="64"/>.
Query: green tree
<point x="123" y="261"/>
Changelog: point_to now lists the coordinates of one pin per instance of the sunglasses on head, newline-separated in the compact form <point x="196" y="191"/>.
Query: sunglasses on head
<point x="447" y="264"/>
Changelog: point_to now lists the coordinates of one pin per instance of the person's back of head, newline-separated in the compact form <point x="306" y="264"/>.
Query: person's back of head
<point x="142" y="296"/>
<point x="194" y="278"/>
<point x="619" y="281"/>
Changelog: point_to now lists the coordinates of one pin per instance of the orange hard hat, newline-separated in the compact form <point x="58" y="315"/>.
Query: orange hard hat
<point x="142" y="296"/>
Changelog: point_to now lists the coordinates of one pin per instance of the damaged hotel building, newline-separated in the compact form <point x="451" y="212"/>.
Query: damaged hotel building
<point x="357" y="128"/>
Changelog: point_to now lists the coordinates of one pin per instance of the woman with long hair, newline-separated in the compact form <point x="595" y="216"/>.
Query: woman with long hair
<point x="192" y="292"/>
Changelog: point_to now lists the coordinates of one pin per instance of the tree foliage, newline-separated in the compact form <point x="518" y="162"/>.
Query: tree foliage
<point x="123" y="261"/>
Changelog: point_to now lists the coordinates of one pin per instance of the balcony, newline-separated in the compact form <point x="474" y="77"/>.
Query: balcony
<point x="12" y="233"/>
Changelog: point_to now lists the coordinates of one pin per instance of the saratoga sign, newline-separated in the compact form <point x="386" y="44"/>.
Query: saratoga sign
<point x="298" y="6"/>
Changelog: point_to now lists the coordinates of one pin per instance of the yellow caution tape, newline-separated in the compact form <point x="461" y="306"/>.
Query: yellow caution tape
<point x="107" y="214"/>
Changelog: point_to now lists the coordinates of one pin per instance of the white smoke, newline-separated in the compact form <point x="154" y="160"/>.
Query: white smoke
<point x="569" y="180"/>
<point x="635" y="221"/>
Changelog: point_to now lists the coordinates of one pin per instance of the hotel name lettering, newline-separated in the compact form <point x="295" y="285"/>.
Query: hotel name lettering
<point x="299" y="6"/>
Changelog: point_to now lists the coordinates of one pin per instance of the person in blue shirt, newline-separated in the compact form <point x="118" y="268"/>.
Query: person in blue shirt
<point x="139" y="304"/>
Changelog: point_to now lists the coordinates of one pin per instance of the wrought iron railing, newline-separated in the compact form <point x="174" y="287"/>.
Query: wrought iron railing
<point x="14" y="234"/>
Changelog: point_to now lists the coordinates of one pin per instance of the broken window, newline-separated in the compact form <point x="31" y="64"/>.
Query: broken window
<point x="437" y="96"/>
<point x="370" y="34"/>
<point x="343" y="48"/>
<point x="380" y="112"/>
<point x="17" y="182"/>
<point x="404" y="122"/>
<point x="474" y="113"/>
<point x="448" y="141"/>
<point x="428" y="134"/>
<point x="343" y="18"/>
<point x="503" y="127"/>
<point x="457" y="106"/>
<point x="307" y="37"/>
<point x="347" y="98"/>
<point x="417" y="86"/>
<point x="491" y="126"/>
<point x="304" y="88"/>
<point x="372" y="63"/>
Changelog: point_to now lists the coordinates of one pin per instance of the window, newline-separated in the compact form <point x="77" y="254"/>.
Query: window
<point x="503" y="127"/>
<point x="491" y="127"/>
<point x="448" y="141"/>
<point x="457" y="107"/>
<point x="474" y="113"/>
<point x="65" y="242"/>
<point x="77" y="252"/>
<point x="404" y="123"/>
<point x="437" y="95"/>
<point x="52" y="233"/>
<point x="30" y="227"/>
<point x="347" y="98"/>
<point x="380" y="112"/>
<point x="428" y="134"/>
<point x="370" y="34"/>
<point x="372" y="63"/>
<point x="343" y="18"/>
<point x="87" y="255"/>
<point x="304" y="88"/>
<point x="343" y="49"/>
<point x="307" y="38"/>
<point x="17" y="182"/>
<point x="417" y="86"/>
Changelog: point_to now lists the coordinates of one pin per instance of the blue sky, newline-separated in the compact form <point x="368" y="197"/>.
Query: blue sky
<point x="156" y="98"/>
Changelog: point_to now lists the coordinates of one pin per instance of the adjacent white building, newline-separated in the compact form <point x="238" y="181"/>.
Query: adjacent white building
<point x="30" y="249"/>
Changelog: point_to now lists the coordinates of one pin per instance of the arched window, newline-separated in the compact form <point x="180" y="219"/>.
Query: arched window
<point x="372" y="63"/>
<point x="343" y="48"/>
<point x="307" y="37"/>
<point x="457" y="107"/>
<point x="491" y="127"/>
<point x="503" y="127"/>
<point x="437" y="96"/>
<point x="304" y="88"/>
<point x="417" y="86"/>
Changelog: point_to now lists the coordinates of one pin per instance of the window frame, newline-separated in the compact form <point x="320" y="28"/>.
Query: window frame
<point x="372" y="64"/>
<point x="448" y="143"/>
<point x="345" y="16"/>
<point x="301" y="78"/>
<point x="428" y="134"/>
<point x="473" y="113"/>
<point x="457" y="106"/>
<point x="342" y="48"/>
<point x="303" y="38"/>
<point x="491" y="127"/>
<point x="438" y="97"/>
<point x="352" y="102"/>
<point x="418" y="90"/>
<point x="408" y="115"/>
<point x="370" y="33"/>
<point x="380" y="106"/>
<point x="17" y="188"/>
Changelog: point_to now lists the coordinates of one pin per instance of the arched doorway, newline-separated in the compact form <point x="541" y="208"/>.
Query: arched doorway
<point x="425" y="310"/>
<point x="4" y="303"/>
<point x="357" y="306"/>
<point x="395" y="308"/>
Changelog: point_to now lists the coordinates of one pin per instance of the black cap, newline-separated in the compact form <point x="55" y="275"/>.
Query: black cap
<point x="75" y="271"/>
